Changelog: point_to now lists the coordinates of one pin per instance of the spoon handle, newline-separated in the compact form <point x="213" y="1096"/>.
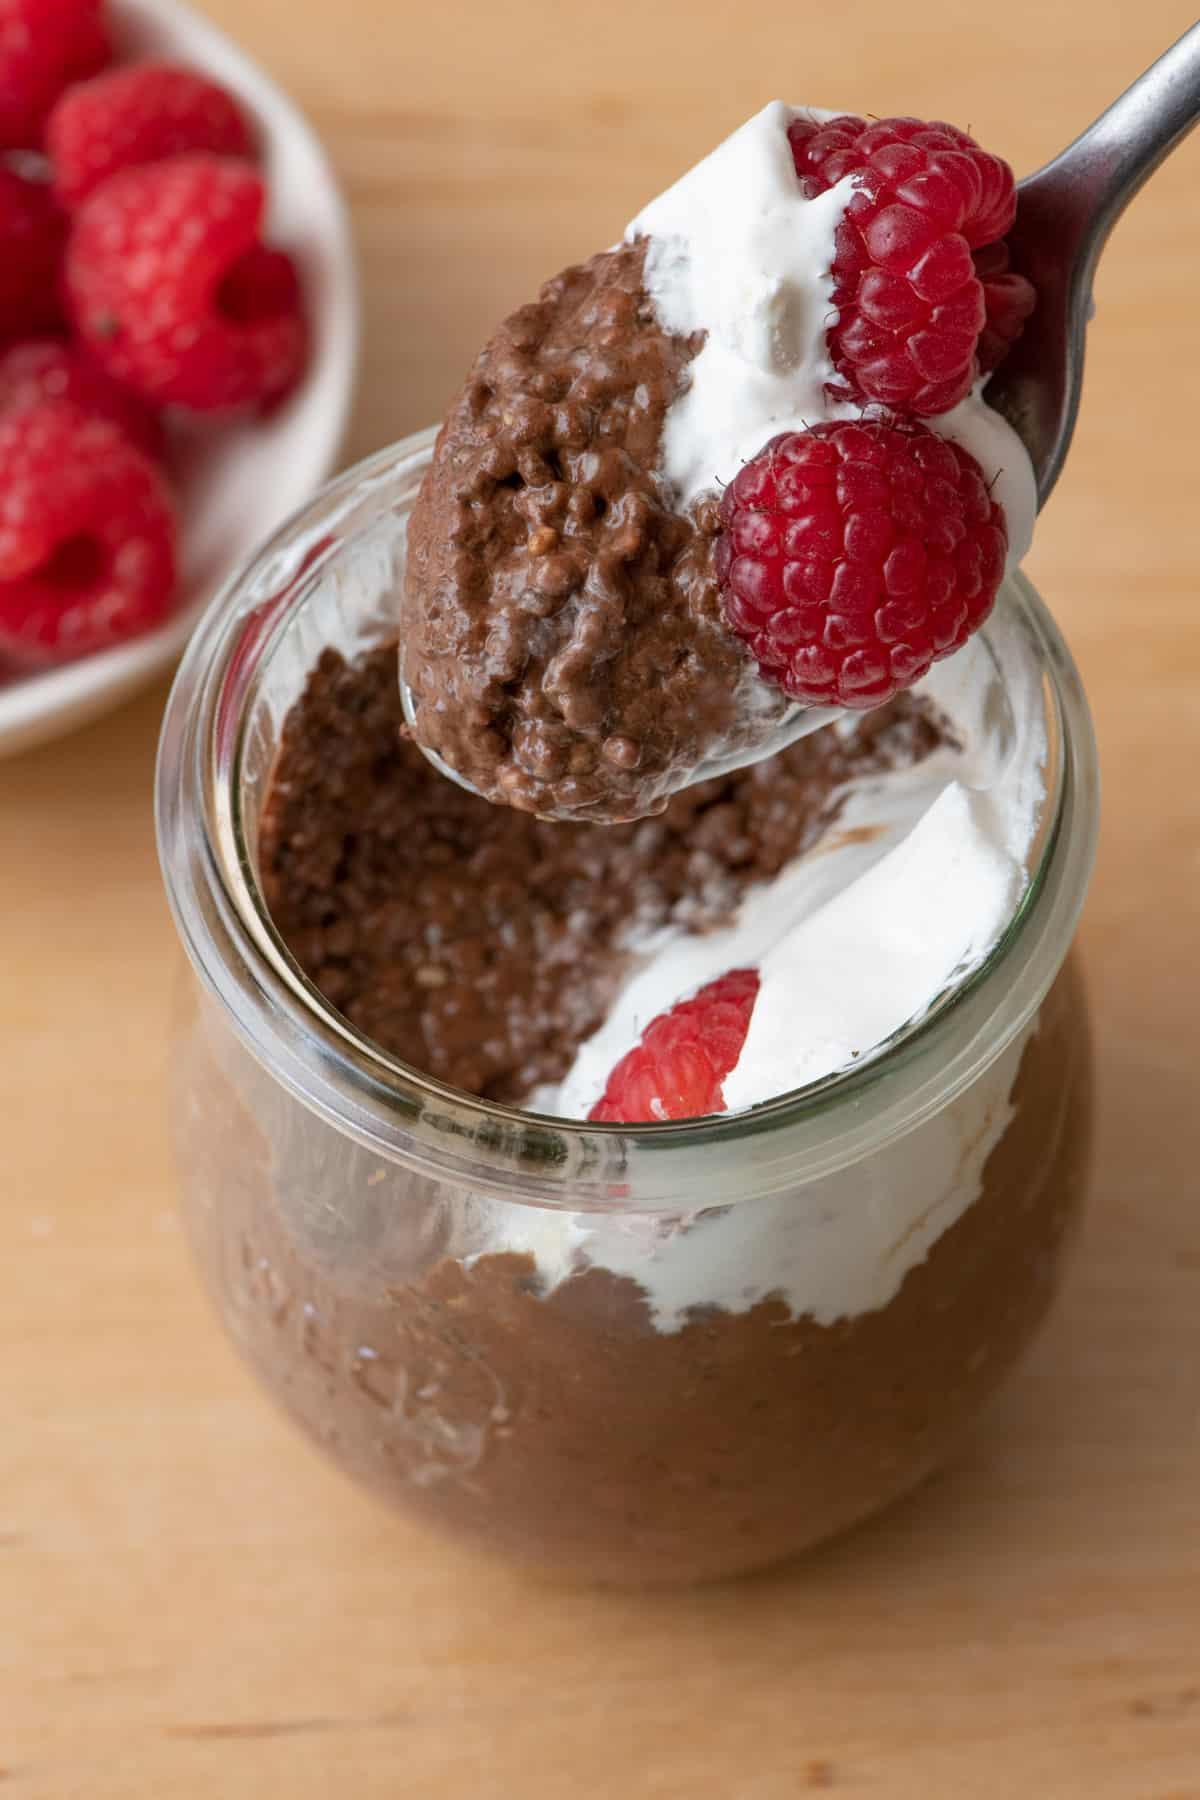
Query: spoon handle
<point x="1065" y="213"/>
<point x="1094" y="179"/>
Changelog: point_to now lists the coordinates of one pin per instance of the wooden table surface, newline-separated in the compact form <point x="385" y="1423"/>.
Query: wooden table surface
<point x="191" y="1604"/>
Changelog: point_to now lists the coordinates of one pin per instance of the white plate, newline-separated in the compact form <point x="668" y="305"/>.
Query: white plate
<point x="238" y="485"/>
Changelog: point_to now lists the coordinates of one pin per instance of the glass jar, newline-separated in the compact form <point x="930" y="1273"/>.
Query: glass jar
<point x="652" y="1353"/>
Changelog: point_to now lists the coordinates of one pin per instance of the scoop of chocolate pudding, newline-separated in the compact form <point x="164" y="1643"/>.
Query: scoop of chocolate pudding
<point x="563" y="638"/>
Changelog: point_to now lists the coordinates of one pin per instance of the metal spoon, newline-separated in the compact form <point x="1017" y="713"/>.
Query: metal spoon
<point x="1065" y="213"/>
<point x="799" y="721"/>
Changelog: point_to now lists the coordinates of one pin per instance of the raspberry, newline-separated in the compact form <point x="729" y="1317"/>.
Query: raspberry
<point x="141" y="114"/>
<point x="910" y="303"/>
<point x="678" y="1069"/>
<point x="87" y="536"/>
<point x="174" y="294"/>
<point x="32" y="234"/>
<point x="44" y="44"/>
<point x="855" y="555"/>
<point x="1008" y="300"/>
<point x="49" y="369"/>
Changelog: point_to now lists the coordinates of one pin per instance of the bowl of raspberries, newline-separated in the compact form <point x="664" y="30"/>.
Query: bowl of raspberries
<point x="178" y="338"/>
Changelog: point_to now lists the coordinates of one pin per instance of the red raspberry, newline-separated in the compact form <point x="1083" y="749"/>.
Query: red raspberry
<point x="44" y="44"/>
<point x="1008" y="299"/>
<point x="678" y="1069"/>
<point x="87" y="536"/>
<point x="141" y="114"/>
<point x="32" y="235"/>
<point x="174" y="294"/>
<point x="910" y="304"/>
<point x="855" y="555"/>
<point x="49" y="369"/>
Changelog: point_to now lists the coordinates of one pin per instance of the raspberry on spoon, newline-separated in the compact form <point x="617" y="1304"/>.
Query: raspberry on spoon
<point x="1008" y="300"/>
<point x="87" y="536"/>
<point x="910" y="298"/>
<point x="854" y="555"/>
<point x="175" y="295"/>
<point x="678" y="1069"/>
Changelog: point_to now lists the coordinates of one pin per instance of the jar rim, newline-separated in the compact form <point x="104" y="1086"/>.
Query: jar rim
<point x="406" y="1115"/>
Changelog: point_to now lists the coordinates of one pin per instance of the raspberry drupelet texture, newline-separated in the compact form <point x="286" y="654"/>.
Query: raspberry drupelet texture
<point x="44" y="45"/>
<point x="678" y="1069"/>
<point x="87" y="536"/>
<point x="53" y="369"/>
<point x="854" y="555"/>
<point x="175" y="295"/>
<point x="911" y="301"/>
<point x="32" y="235"/>
<point x="142" y="114"/>
<point x="1008" y="301"/>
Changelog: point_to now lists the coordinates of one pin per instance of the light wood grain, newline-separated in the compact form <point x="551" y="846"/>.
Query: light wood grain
<point x="191" y="1604"/>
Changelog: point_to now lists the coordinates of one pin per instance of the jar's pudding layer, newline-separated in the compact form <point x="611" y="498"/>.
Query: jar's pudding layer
<point x="628" y="1395"/>
<point x="582" y="1417"/>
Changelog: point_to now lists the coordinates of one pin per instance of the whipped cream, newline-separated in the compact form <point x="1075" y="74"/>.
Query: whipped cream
<point x="736" y="251"/>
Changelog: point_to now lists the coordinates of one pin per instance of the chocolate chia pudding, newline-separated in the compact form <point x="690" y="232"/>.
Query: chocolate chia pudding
<point x="657" y="1398"/>
<point x="564" y="641"/>
<point x="561" y="1425"/>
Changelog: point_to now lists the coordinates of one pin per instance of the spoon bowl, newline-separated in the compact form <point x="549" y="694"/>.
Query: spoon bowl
<point x="798" y="722"/>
